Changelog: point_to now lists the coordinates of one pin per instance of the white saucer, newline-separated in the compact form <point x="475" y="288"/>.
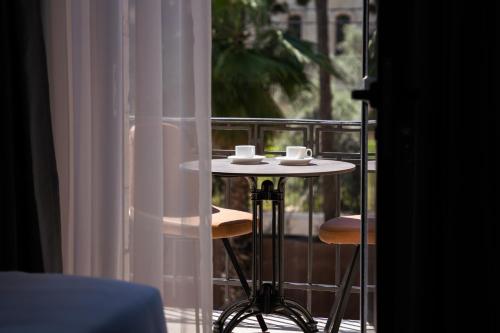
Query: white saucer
<point x="294" y="161"/>
<point x="245" y="160"/>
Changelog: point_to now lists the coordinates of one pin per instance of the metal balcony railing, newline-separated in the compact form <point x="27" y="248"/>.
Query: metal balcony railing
<point x="312" y="134"/>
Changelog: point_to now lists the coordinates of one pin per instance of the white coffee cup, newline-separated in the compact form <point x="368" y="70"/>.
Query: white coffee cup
<point x="298" y="152"/>
<point x="245" y="151"/>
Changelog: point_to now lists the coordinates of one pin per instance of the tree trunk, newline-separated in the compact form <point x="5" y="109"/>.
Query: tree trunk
<point x="330" y="197"/>
<point x="325" y="100"/>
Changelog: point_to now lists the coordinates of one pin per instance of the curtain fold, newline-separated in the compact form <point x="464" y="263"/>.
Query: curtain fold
<point x="84" y="47"/>
<point x="30" y="229"/>
<point x="130" y="95"/>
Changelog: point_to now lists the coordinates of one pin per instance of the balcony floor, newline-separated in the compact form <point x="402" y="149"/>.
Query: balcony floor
<point x="274" y="323"/>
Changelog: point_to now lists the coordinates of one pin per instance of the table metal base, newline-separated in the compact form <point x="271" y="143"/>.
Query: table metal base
<point x="267" y="302"/>
<point x="266" y="298"/>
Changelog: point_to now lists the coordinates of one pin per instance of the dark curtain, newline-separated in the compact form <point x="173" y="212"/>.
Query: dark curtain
<point x="30" y="237"/>
<point x="437" y="167"/>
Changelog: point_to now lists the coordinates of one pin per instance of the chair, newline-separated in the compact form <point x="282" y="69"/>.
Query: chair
<point x="342" y="231"/>
<point x="226" y="223"/>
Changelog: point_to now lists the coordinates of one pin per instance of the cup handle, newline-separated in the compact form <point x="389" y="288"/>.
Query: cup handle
<point x="309" y="152"/>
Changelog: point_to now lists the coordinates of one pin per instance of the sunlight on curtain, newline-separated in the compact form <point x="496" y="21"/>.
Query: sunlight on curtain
<point x="169" y="49"/>
<point x="130" y="98"/>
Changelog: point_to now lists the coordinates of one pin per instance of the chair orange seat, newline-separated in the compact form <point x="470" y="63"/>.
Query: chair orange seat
<point x="345" y="230"/>
<point x="226" y="223"/>
<point x="230" y="223"/>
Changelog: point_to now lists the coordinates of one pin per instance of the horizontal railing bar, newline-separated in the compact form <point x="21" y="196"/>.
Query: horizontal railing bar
<point x="290" y="285"/>
<point x="232" y="120"/>
<point x="230" y="151"/>
<point x="257" y="121"/>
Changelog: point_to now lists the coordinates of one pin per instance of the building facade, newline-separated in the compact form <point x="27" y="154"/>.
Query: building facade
<point x="301" y="21"/>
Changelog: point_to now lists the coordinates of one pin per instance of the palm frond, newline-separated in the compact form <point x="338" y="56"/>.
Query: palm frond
<point x="250" y="57"/>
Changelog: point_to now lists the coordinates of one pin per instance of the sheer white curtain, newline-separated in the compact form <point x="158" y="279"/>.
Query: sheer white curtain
<point x="130" y="97"/>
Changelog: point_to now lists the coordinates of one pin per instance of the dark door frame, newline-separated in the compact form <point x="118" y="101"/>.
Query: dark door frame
<point x="437" y="178"/>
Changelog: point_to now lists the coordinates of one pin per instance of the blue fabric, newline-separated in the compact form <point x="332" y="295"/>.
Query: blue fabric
<point x="39" y="303"/>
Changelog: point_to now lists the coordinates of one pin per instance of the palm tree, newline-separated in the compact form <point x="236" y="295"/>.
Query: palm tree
<point x="250" y="57"/>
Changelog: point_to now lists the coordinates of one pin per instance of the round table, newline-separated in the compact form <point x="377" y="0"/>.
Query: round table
<point x="267" y="298"/>
<point x="270" y="167"/>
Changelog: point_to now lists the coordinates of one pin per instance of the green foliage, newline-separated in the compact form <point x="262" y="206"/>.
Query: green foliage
<point x="344" y="107"/>
<point x="372" y="55"/>
<point x="350" y="61"/>
<point x="250" y="58"/>
<point x="348" y="68"/>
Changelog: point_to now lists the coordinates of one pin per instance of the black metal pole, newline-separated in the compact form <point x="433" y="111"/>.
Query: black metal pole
<point x="364" y="182"/>
<point x="281" y="234"/>
<point x="261" y="244"/>
<point x="274" y="204"/>
<point x="253" y="185"/>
